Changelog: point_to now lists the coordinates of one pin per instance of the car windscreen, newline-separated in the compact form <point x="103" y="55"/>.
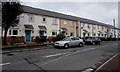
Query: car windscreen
<point x="66" y="39"/>
<point x="88" y="38"/>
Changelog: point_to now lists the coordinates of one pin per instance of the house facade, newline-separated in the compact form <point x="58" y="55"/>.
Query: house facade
<point x="32" y="25"/>
<point x="117" y="33"/>
<point x="113" y="32"/>
<point x="68" y="27"/>
<point x="91" y="28"/>
<point x="36" y="22"/>
<point x="102" y="31"/>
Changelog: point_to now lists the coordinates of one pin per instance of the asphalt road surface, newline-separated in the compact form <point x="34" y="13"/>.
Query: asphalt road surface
<point x="75" y="58"/>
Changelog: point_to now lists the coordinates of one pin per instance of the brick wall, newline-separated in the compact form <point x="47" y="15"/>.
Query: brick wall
<point x="15" y="39"/>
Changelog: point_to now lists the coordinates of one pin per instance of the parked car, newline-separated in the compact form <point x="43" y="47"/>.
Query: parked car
<point x="92" y="40"/>
<point x="69" y="41"/>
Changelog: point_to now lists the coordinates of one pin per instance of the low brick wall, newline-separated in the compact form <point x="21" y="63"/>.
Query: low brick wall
<point x="15" y="39"/>
<point x="21" y="39"/>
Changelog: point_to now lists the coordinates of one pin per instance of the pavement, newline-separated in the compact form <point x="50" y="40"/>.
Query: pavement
<point x="21" y="48"/>
<point x="111" y="65"/>
<point x="75" y="59"/>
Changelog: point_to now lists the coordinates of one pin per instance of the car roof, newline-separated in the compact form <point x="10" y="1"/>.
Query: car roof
<point x="72" y="37"/>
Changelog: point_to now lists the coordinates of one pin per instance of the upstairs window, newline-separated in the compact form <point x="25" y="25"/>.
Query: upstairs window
<point x="83" y="24"/>
<point x="44" y="19"/>
<point x="105" y="35"/>
<point x="102" y="34"/>
<point x="88" y="26"/>
<point x="98" y="27"/>
<point x="31" y="18"/>
<point x="65" y="22"/>
<point x="71" y="23"/>
<point x="55" y="21"/>
<point x="94" y="27"/>
<point x="102" y="27"/>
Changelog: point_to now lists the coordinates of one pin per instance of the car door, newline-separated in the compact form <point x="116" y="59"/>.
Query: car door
<point x="96" y="39"/>
<point x="77" y="41"/>
<point x="72" y="42"/>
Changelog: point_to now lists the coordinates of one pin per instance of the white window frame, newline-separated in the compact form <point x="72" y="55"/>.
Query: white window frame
<point x="88" y="26"/>
<point x="65" y="22"/>
<point x="55" y="21"/>
<point x="83" y="25"/>
<point x="54" y="32"/>
<point x="12" y="32"/>
<point x="102" y="27"/>
<point x="29" y="18"/>
<point x="98" y="26"/>
<point x="45" y="19"/>
<point x="72" y="23"/>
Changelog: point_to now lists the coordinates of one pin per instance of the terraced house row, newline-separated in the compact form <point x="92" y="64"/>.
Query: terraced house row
<point x="42" y="23"/>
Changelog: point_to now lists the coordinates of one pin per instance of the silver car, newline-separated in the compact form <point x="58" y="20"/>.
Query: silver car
<point x="69" y="41"/>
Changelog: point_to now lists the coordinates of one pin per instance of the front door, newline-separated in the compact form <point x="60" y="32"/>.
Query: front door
<point x="41" y="33"/>
<point x="27" y="36"/>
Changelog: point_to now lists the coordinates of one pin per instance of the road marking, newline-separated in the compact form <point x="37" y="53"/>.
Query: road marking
<point x="88" y="70"/>
<point x="106" y="62"/>
<point x="55" y="55"/>
<point x="4" y="64"/>
<point x="80" y="51"/>
<point x="64" y="56"/>
<point x="50" y="61"/>
<point x="85" y="50"/>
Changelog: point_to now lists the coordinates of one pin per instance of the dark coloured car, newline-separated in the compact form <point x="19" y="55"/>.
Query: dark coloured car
<point x="92" y="40"/>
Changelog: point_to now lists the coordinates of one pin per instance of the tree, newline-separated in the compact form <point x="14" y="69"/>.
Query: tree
<point x="10" y="16"/>
<point x="60" y="36"/>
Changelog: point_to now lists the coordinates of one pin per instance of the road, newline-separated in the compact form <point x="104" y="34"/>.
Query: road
<point x="75" y="58"/>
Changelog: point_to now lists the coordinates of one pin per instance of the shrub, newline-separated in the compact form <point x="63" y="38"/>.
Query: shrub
<point x="43" y="39"/>
<point x="54" y="39"/>
<point x="37" y="39"/>
<point x="60" y="36"/>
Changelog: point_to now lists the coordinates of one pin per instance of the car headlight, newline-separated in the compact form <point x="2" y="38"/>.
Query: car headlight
<point x="61" y="44"/>
<point x="91" y="40"/>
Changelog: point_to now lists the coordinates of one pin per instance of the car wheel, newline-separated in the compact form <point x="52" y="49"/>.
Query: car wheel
<point x="66" y="46"/>
<point x="80" y="44"/>
<point x="93" y="43"/>
<point x="99" y="43"/>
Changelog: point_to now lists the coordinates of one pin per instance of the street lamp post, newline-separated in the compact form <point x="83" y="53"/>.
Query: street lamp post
<point x="114" y="27"/>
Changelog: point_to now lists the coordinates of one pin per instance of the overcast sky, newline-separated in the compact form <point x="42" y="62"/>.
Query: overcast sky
<point x="103" y="12"/>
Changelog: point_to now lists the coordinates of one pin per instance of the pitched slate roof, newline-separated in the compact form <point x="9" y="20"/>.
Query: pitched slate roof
<point x="84" y="20"/>
<point x="38" y="11"/>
